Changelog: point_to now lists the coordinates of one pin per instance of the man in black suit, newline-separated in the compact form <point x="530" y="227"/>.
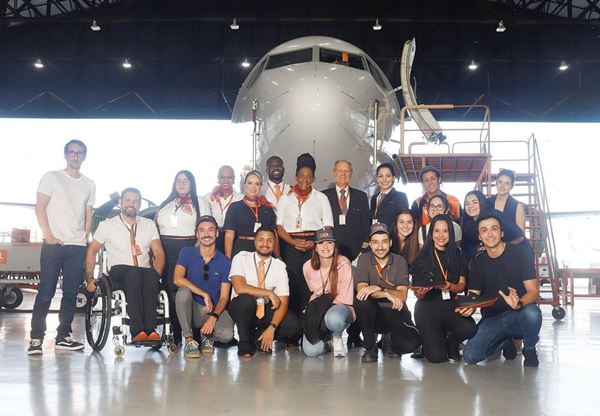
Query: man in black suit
<point x="352" y="222"/>
<point x="350" y="208"/>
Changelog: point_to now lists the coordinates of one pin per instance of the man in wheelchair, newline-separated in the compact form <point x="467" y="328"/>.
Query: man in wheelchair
<point x="135" y="260"/>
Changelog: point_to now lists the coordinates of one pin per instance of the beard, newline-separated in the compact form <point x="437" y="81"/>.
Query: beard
<point x="130" y="212"/>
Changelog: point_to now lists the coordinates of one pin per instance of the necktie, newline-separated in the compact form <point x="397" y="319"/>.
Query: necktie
<point x="277" y="191"/>
<point x="379" y="199"/>
<point x="260" y="308"/>
<point x="343" y="201"/>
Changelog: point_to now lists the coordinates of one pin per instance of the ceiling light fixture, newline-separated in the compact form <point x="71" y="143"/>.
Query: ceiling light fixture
<point x="501" y="28"/>
<point x="563" y="66"/>
<point x="126" y="64"/>
<point x="95" y="26"/>
<point x="38" y="63"/>
<point x="246" y="64"/>
<point x="234" y="25"/>
<point x="473" y="65"/>
<point x="377" y="26"/>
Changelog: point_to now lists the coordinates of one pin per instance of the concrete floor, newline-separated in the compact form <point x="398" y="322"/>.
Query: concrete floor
<point x="146" y="382"/>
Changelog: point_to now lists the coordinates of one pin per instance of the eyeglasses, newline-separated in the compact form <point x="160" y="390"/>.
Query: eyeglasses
<point x="437" y="207"/>
<point x="205" y="276"/>
<point x="182" y="181"/>
<point x="72" y="153"/>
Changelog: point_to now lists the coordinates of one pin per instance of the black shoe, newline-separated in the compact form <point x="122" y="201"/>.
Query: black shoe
<point x="68" y="344"/>
<point x="370" y="355"/>
<point x="510" y="350"/>
<point x="386" y="343"/>
<point x="35" y="347"/>
<point x="454" y="352"/>
<point x="531" y="357"/>
<point x="418" y="353"/>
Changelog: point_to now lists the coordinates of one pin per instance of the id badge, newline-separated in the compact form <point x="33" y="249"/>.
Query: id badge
<point x="375" y="220"/>
<point x="173" y="221"/>
<point x="257" y="225"/>
<point x="136" y="250"/>
<point x="445" y="294"/>
<point x="260" y="301"/>
<point x="342" y="219"/>
<point x="298" y="223"/>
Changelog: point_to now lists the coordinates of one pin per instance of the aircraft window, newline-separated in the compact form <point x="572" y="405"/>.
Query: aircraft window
<point x="255" y="73"/>
<point x="379" y="77"/>
<point x="289" y="58"/>
<point x="341" y="58"/>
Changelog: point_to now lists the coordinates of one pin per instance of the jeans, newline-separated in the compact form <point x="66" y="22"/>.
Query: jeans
<point x="337" y="319"/>
<point x="495" y="331"/>
<point x="54" y="259"/>
<point x="191" y="313"/>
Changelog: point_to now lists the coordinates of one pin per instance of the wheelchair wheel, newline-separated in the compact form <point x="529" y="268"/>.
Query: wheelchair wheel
<point x="97" y="315"/>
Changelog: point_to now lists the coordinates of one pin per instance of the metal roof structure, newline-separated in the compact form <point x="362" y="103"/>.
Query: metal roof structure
<point x="186" y="59"/>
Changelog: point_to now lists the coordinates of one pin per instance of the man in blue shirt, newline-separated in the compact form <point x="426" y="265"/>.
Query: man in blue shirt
<point x="202" y="275"/>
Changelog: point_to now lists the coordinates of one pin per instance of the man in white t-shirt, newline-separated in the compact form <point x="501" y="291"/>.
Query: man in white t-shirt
<point x="135" y="260"/>
<point x="259" y="304"/>
<point x="64" y="212"/>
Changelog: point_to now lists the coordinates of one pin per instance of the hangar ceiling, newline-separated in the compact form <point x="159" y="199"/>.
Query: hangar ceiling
<point x="186" y="59"/>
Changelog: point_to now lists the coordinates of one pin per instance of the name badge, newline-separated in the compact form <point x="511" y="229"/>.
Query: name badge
<point x="342" y="219"/>
<point x="136" y="250"/>
<point x="445" y="294"/>
<point x="257" y="225"/>
<point x="173" y="221"/>
<point x="298" y="223"/>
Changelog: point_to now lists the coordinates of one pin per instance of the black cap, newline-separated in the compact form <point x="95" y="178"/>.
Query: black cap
<point x="208" y="218"/>
<point x="429" y="168"/>
<point x="379" y="228"/>
<point x="324" y="234"/>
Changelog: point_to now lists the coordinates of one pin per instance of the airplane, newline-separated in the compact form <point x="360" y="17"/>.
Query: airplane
<point x="323" y="96"/>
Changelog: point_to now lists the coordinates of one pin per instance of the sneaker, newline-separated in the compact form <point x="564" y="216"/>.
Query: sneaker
<point x="339" y="348"/>
<point x="510" y="349"/>
<point x="153" y="336"/>
<point x="370" y="355"/>
<point x="67" y="343"/>
<point x="35" y="347"/>
<point x="531" y="357"/>
<point x="454" y="352"/>
<point x="208" y="346"/>
<point x="141" y="336"/>
<point x="191" y="350"/>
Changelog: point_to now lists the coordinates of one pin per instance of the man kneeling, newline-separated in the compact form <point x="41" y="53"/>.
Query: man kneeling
<point x="202" y="275"/>
<point x="261" y="293"/>
<point x="506" y="270"/>
<point x="129" y="241"/>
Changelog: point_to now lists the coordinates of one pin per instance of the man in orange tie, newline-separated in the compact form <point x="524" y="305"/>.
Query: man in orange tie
<point x="259" y="304"/>
<point x="275" y="187"/>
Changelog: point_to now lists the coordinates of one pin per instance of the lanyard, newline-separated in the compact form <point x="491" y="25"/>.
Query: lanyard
<point x="444" y="271"/>
<point x="223" y="209"/>
<point x="132" y="233"/>
<point x="380" y="275"/>
<point x="253" y="209"/>
<point x="300" y="203"/>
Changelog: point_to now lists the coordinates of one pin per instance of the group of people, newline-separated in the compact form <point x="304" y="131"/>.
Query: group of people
<point x="289" y="263"/>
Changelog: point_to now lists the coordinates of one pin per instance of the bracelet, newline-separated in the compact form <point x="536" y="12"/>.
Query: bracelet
<point x="273" y="325"/>
<point x="214" y="315"/>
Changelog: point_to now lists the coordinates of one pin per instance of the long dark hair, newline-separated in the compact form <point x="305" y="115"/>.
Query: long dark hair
<point x="411" y="246"/>
<point x="468" y="224"/>
<point x="332" y="277"/>
<point x="193" y="194"/>
<point x="426" y="261"/>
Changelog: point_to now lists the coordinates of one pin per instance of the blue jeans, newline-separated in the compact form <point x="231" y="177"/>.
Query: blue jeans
<point x="55" y="258"/>
<point x="494" y="332"/>
<point x="337" y="319"/>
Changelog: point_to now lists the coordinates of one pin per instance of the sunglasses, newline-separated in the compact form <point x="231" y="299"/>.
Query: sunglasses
<point x="205" y="276"/>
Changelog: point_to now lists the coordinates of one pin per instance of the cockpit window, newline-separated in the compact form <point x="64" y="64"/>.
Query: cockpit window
<point x="255" y="73"/>
<point x="379" y="77"/>
<point x="341" y="58"/>
<point x="289" y="58"/>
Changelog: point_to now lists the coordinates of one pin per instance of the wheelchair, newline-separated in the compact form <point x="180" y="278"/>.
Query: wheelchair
<point x="106" y="305"/>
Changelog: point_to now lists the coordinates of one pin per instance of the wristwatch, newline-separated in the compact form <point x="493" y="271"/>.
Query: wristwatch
<point x="273" y="325"/>
<point x="214" y="315"/>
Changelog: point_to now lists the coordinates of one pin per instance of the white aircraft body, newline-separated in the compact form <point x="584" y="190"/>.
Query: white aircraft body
<point x="317" y="94"/>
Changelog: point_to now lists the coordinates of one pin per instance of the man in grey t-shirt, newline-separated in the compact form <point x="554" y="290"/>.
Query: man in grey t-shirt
<point x="64" y="212"/>
<point x="381" y="280"/>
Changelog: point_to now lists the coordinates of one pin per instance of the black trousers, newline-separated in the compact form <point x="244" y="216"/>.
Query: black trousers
<point x="243" y="311"/>
<point x="141" y="286"/>
<point x="376" y="319"/>
<point x="294" y="260"/>
<point x="439" y="326"/>
<point x="172" y="247"/>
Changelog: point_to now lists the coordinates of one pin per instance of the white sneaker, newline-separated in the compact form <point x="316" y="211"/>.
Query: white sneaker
<point x="339" y="348"/>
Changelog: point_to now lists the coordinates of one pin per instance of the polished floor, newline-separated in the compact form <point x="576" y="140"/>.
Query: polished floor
<point x="145" y="382"/>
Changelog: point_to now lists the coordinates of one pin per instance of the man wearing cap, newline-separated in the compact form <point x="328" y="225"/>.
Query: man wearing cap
<point x="275" y="187"/>
<point x="202" y="275"/>
<point x="260" y="298"/>
<point x="431" y="178"/>
<point x="381" y="280"/>
<point x="135" y="260"/>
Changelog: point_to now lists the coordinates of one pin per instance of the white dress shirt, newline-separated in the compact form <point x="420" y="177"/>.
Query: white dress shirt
<point x="314" y="213"/>
<point x="268" y="190"/>
<point x="246" y="264"/>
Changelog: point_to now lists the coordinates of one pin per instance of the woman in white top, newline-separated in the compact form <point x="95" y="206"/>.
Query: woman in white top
<point x="438" y="204"/>
<point x="301" y="212"/>
<point x="176" y="221"/>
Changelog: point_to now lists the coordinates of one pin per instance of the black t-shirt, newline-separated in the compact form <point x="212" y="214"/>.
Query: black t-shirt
<point x="489" y="275"/>
<point x="240" y="218"/>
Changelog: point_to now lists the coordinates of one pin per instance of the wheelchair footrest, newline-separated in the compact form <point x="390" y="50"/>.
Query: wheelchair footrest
<point x="146" y="343"/>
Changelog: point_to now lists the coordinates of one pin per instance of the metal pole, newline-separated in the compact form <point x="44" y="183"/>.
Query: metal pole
<point x="375" y="133"/>
<point x="254" y="132"/>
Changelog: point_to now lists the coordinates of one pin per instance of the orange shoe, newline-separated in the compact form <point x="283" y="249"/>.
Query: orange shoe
<point x="153" y="336"/>
<point x="142" y="336"/>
